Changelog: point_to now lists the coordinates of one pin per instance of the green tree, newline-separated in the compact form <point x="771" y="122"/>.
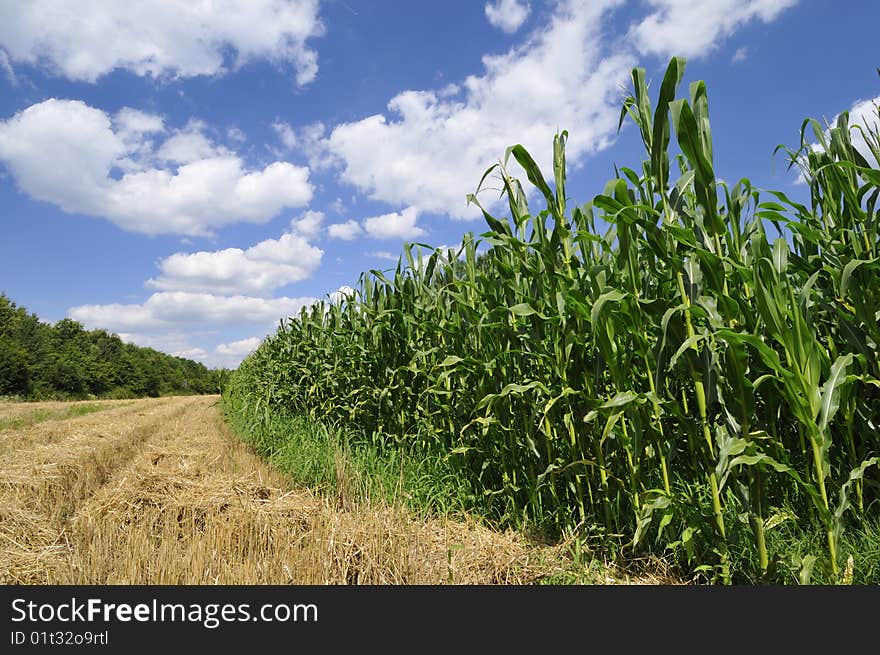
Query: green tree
<point x="41" y="360"/>
<point x="14" y="372"/>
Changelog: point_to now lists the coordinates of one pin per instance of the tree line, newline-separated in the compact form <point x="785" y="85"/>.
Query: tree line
<point x="64" y="360"/>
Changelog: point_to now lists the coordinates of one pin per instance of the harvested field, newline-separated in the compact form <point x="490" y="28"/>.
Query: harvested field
<point x="14" y="415"/>
<point x="160" y="492"/>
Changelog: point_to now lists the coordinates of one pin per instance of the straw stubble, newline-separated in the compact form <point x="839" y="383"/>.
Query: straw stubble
<point x="168" y="496"/>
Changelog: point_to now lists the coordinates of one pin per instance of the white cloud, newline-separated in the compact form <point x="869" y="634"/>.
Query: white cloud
<point x="308" y="224"/>
<point x="226" y="355"/>
<point x="174" y="342"/>
<point x="229" y="355"/>
<point x="64" y="152"/>
<point x="197" y="354"/>
<point x="863" y="117"/>
<point x="382" y="254"/>
<point x="395" y="225"/>
<point x="198" y="292"/>
<point x="286" y="134"/>
<point x="437" y="147"/>
<point x="134" y="122"/>
<point x="168" y="322"/>
<point x="864" y="113"/>
<point x="431" y="146"/>
<point x="308" y="140"/>
<point x="342" y="293"/>
<point x="137" y="130"/>
<point x="740" y="55"/>
<point x="314" y="145"/>
<point x="169" y="309"/>
<point x="176" y="38"/>
<point x="189" y="145"/>
<point x="239" y="348"/>
<point x="347" y="231"/>
<point x="693" y="28"/>
<point x="507" y="15"/>
<point x="258" y="270"/>
<point x="115" y="317"/>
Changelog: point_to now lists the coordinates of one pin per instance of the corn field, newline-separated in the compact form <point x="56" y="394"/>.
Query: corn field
<point x="679" y="365"/>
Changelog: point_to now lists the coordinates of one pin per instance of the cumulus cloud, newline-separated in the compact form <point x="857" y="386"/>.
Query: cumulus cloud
<point x="693" y="28"/>
<point x="225" y="355"/>
<point x="308" y="224"/>
<point x="125" y="319"/>
<point x="229" y="355"/>
<point x="507" y="15"/>
<point x="70" y="154"/>
<point x="431" y="146"/>
<point x="197" y="354"/>
<point x="347" y="231"/>
<point x="740" y="55"/>
<point x="435" y="145"/>
<point x="132" y="122"/>
<point x="258" y="270"/>
<point x="201" y="293"/>
<point x="239" y="348"/>
<point x="174" y="342"/>
<point x="160" y="38"/>
<point x="170" y="309"/>
<point x="189" y="145"/>
<point x="395" y="225"/>
<point x="168" y="321"/>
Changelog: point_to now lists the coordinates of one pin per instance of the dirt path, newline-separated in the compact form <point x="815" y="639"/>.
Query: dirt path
<point x="161" y="493"/>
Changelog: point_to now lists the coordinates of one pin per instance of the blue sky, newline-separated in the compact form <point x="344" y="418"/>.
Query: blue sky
<point x="185" y="176"/>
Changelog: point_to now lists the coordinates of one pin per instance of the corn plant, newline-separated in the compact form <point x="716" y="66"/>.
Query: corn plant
<point x="650" y="367"/>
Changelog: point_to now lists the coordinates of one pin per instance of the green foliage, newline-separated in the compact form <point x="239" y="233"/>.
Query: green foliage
<point x="650" y="367"/>
<point x="329" y="461"/>
<point x="14" y="373"/>
<point x="38" y="360"/>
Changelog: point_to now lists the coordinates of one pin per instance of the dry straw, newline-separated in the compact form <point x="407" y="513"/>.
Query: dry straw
<point x="166" y="495"/>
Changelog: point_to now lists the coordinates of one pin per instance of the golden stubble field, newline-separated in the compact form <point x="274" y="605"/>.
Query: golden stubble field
<point x="159" y="491"/>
